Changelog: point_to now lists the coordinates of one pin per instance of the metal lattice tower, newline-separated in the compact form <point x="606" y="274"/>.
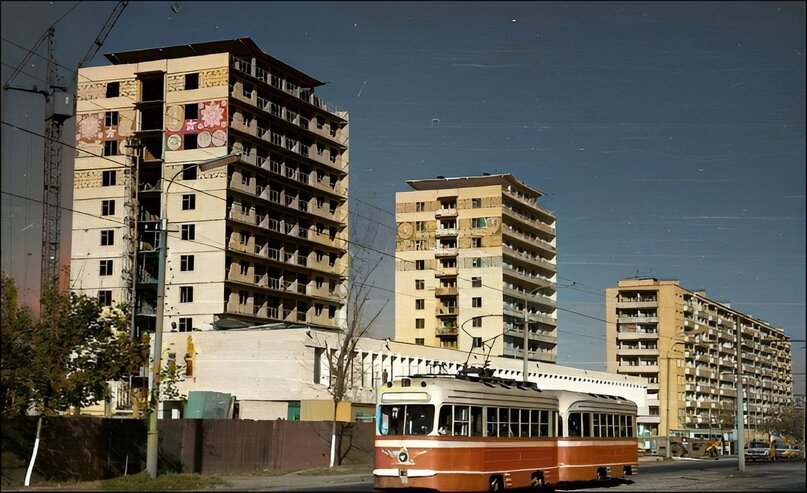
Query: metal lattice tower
<point x="52" y="178"/>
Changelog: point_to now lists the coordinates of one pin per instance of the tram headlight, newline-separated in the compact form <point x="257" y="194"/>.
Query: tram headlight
<point x="403" y="457"/>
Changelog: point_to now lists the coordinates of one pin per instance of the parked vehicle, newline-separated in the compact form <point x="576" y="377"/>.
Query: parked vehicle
<point x="757" y="450"/>
<point x="784" y="451"/>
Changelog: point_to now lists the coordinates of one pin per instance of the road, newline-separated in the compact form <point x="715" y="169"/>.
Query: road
<point x="672" y="475"/>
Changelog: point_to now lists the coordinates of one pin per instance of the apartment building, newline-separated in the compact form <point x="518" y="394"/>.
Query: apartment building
<point x="685" y="345"/>
<point x="475" y="258"/>
<point x="261" y="240"/>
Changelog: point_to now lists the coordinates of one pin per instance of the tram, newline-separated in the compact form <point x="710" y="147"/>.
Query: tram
<point x="473" y="432"/>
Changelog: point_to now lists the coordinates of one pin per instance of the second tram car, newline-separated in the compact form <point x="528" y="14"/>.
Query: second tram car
<point x="475" y="433"/>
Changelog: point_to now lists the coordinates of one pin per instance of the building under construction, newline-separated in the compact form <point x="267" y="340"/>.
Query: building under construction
<point x="261" y="240"/>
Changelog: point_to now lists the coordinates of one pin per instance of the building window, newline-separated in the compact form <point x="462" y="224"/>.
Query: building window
<point x="110" y="148"/>
<point x="245" y="177"/>
<point x="476" y="242"/>
<point x="420" y="225"/>
<point x="192" y="111"/>
<point x="477" y="322"/>
<point x="192" y="81"/>
<point x="420" y="206"/>
<point x="112" y="89"/>
<point x="188" y="231"/>
<point x="108" y="178"/>
<point x="190" y="141"/>
<point x="419" y="341"/>
<point x="188" y="201"/>
<point x="105" y="267"/>
<point x="476" y="282"/>
<point x="420" y="304"/>
<point x="420" y="284"/>
<point x="244" y="266"/>
<point x="478" y="222"/>
<point x="420" y="323"/>
<point x="105" y="298"/>
<point x="243" y="238"/>
<point x="110" y="118"/>
<point x="477" y="342"/>
<point x="476" y="203"/>
<point x="185" y="324"/>
<point x="243" y="297"/>
<point x="190" y="172"/>
<point x="476" y="302"/>
<point x="107" y="237"/>
<point x="185" y="294"/>
<point x="107" y="207"/>
<point x="186" y="262"/>
<point x="420" y="265"/>
<point x="476" y="262"/>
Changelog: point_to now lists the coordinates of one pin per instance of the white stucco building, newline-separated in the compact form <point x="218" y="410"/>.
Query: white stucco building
<point x="278" y="372"/>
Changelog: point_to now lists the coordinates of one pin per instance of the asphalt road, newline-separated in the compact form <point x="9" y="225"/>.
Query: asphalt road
<point x="673" y="475"/>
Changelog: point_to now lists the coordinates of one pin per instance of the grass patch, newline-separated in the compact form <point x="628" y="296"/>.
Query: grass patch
<point x="348" y="469"/>
<point x="164" y="482"/>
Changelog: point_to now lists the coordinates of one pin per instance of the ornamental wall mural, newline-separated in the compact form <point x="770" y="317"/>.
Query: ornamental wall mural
<point x="209" y="127"/>
<point x="93" y="129"/>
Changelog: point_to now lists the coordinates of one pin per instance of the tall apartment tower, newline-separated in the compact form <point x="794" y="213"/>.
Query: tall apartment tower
<point x="475" y="256"/>
<point x="261" y="240"/>
<point x="685" y="344"/>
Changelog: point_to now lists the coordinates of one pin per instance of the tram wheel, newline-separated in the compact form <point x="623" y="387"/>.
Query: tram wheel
<point x="537" y="481"/>
<point x="496" y="483"/>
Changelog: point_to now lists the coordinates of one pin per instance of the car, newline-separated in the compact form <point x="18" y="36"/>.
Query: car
<point x="786" y="452"/>
<point x="757" y="450"/>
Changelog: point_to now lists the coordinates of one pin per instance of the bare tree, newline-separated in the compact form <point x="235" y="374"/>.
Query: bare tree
<point x="360" y="317"/>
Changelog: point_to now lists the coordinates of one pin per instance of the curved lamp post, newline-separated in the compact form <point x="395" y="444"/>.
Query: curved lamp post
<point x="152" y="439"/>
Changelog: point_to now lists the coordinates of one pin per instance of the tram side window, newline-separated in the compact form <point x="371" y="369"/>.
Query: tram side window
<point x="419" y="420"/>
<point x="493" y="422"/>
<point x="539" y="423"/>
<point x="525" y="423"/>
<point x="630" y="426"/>
<point x="575" y="428"/>
<point x="406" y="420"/>
<point x="587" y="424"/>
<point x="444" y="421"/>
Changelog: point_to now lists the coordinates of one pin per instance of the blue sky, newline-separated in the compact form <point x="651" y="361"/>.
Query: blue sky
<point x="669" y="137"/>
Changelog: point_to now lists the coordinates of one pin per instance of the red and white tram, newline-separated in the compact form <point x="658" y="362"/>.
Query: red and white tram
<point x="471" y="433"/>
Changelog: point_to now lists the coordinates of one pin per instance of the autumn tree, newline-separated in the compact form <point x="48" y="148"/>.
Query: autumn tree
<point x="65" y="358"/>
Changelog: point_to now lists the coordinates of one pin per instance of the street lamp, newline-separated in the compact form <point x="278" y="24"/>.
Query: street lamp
<point x="152" y="439"/>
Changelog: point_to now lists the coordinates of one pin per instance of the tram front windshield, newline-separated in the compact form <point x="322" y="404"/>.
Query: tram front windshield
<point x="406" y="419"/>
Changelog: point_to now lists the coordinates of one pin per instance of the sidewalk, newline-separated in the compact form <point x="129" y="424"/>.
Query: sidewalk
<point x="299" y="479"/>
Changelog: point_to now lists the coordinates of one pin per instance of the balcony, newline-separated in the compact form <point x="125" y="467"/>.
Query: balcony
<point x="446" y="232"/>
<point x="446" y="331"/>
<point x="447" y="311"/>
<point x="446" y="291"/>
<point x="445" y="252"/>
<point x="445" y="272"/>
<point x="449" y="212"/>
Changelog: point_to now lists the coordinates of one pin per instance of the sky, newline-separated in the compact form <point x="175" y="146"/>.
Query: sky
<point x="668" y="137"/>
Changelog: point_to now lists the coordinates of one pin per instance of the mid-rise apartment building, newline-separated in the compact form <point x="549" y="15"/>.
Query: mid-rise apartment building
<point x="685" y="345"/>
<point x="263" y="239"/>
<point x="475" y="257"/>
